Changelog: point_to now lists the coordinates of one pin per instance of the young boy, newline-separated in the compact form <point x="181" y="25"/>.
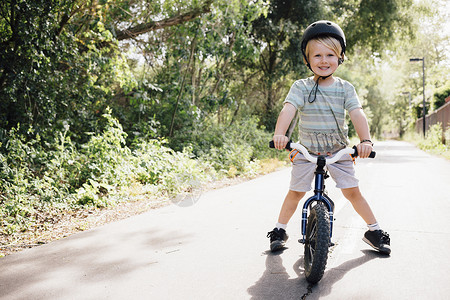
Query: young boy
<point x="321" y="102"/>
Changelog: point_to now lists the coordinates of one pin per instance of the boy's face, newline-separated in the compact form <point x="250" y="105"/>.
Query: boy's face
<point x="322" y="59"/>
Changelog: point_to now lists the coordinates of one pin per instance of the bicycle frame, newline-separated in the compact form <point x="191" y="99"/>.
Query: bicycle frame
<point x="319" y="182"/>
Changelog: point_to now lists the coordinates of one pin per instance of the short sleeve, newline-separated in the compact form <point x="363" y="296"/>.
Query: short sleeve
<point x="295" y="96"/>
<point x="351" y="101"/>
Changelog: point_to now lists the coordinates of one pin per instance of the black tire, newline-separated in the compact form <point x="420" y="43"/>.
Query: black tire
<point x="317" y="243"/>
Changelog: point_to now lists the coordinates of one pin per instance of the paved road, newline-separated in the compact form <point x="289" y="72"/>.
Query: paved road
<point x="217" y="249"/>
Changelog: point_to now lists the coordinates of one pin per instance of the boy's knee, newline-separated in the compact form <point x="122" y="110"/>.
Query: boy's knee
<point x="294" y="195"/>
<point x="352" y="193"/>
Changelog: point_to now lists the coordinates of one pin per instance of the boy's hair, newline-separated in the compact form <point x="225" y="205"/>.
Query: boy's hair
<point x="329" y="42"/>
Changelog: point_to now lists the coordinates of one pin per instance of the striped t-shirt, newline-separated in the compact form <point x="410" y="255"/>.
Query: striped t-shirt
<point x="322" y="126"/>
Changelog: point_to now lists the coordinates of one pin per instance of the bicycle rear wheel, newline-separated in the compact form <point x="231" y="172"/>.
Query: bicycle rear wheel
<point x="316" y="243"/>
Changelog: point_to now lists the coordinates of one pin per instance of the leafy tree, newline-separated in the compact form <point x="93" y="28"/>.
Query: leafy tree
<point x="373" y="24"/>
<point x="65" y="65"/>
<point x="429" y="42"/>
<point x="27" y="57"/>
<point x="278" y="37"/>
<point x="193" y="65"/>
<point x="367" y="24"/>
<point x="53" y="70"/>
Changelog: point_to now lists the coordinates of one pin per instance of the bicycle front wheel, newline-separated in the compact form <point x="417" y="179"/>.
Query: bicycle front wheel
<point x="317" y="243"/>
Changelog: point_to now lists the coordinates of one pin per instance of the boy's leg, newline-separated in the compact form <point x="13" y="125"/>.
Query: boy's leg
<point x="289" y="206"/>
<point x="375" y="237"/>
<point x="359" y="204"/>
<point x="278" y="235"/>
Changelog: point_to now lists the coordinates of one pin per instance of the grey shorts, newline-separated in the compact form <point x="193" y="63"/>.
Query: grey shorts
<point x="302" y="174"/>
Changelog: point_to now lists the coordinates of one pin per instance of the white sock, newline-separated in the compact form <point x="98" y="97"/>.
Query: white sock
<point x="373" y="227"/>
<point x="282" y="226"/>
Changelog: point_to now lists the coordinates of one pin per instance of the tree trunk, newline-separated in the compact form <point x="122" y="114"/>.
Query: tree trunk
<point x="188" y="69"/>
<point x="155" y="25"/>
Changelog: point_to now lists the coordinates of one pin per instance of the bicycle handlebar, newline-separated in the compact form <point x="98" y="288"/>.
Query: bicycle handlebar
<point x="352" y="151"/>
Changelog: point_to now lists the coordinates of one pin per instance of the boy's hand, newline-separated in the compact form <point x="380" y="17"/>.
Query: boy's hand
<point x="280" y="141"/>
<point x="364" y="149"/>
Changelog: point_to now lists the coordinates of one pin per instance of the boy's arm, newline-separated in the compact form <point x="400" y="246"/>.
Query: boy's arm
<point x="284" y="120"/>
<point x="359" y="121"/>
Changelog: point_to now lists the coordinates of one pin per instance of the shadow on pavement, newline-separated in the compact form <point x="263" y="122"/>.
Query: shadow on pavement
<point x="89" y="259"/>
<point x="334" y="275"/>
<point x="276" y="284"/>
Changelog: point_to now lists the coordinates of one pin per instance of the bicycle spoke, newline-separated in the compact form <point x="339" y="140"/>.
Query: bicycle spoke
<point x="313" y="234"/>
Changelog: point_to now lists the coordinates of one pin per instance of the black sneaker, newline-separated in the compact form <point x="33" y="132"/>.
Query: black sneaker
<point x="379" y="240"/>
<point x="278" y="238"/>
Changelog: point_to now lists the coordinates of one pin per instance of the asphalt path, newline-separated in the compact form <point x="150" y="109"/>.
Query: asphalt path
<point x="216" y="248"/>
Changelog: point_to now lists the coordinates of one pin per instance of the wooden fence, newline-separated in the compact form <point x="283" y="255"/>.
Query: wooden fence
<point x="441" y="115"/>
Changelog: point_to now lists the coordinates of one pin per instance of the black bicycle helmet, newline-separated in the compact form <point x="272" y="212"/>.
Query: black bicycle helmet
<point x="323" y="28"/>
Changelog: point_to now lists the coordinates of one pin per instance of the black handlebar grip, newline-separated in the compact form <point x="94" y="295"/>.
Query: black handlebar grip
<point x="288" y="145"/>
<point x="371" y="155"/>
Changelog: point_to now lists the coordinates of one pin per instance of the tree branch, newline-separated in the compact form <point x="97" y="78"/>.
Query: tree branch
<point x="76" y="8"/>
<point x="152" y="25"/>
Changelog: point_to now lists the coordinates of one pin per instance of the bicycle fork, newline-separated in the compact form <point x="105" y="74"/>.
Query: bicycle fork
<point x="319" y="196"/>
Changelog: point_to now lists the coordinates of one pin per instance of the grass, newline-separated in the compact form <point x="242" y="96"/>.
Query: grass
<point x="433" y="142"/>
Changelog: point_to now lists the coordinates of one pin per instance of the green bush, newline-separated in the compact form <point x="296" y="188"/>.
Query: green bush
<point x="440" y="95"/>
<point x="447" y="138"/>
<point x="170" y="171"/>
<point x="433" y="139"/>
<point x="42" y="178"/>
<point x="38" y="177"/>
<point x="231" y="149"/>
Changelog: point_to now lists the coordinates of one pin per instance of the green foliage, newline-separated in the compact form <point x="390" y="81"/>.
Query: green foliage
<point x="433" y="139"/>
<point x="278" y="38"/>
<point x="440" y="95"/>
<point x="52" y="71"/>
<point x="431" y="43"/>
<point x="231" y="149"/>
<point x="369" y="23"/>
<point x="433" y="142"/>
<point x="447" y="138"/>
<point x="39" y="176"/>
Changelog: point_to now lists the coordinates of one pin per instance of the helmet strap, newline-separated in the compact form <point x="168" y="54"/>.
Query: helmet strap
<point x="316" y="88"/>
